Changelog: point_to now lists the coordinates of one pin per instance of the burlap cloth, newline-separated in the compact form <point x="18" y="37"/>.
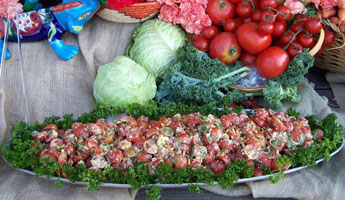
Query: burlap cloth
<point x="57" y="87"/>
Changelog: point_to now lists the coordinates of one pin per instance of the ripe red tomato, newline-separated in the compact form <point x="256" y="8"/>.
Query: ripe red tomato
<point x="279" y="29"/>
<point x="266" y="28"/>
<point x="300" y="18"/>
<point x="220" y="10"/>
<point x="313" y="25"/>
<point x="258" y="171"/>
<point x="267" y="16"/>
<point x="225" y="47"/>
<point x="329" y="38"/>
<point x="247" y="58"/>
<point x="230" y="25"/>
<point x="268" y="3"/>
<point x="286" y="37"/>
<point x="235" y="1"/>
<point x="256" y="16"/>
<point x="306" y="40"/>
<point x="244" y="9"/>
<point x="284" y="13"/>
<point x="201" y="44"/>
<point x="210" y="32"/>
<point x="251" y="40"/>
<point x="295" y="49"/>
<point x="296" y="26"/>
<point x="272" y="62"/>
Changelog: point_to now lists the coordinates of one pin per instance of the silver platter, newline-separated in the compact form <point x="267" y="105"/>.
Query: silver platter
<point x="244" y="180"/>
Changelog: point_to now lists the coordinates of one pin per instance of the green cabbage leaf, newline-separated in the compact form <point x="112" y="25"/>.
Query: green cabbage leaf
<point x="123" y="82"/>
<point x="155" y="45"/>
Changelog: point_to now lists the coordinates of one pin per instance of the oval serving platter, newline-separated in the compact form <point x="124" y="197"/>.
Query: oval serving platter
<point x="124" y="186"/>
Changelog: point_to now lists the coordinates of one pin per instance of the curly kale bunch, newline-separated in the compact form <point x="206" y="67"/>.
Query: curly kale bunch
<point x="198" y="79"/>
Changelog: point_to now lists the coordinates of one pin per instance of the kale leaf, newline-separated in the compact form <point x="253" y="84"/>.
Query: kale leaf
<point x="198" y="79"/>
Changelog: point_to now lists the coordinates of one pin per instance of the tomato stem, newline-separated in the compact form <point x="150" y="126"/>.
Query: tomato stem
<point x="292" y="39"/>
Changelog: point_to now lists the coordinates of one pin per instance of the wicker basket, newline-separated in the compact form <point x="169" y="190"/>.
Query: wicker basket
<point x="138" y="12"/>
<point x="259" y="89"/>
<point x="333" y="59"/>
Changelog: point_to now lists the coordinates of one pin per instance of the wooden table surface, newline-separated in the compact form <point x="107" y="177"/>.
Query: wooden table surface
<point x="315" y="75"/>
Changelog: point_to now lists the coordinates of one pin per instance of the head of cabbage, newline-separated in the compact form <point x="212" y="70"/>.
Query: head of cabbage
<point x="155" y="45"/>
<point x="123" y="82"/>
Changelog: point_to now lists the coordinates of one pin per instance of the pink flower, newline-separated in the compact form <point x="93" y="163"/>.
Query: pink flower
<point x="193" y="17"/>
<point x="9" y="8"/>
<point x="202" y="2"/>
<point x="169" y="2"/>
<point x="170" y="14"/>
<point x="295" y="6"/>
<point x="328" y="4"/>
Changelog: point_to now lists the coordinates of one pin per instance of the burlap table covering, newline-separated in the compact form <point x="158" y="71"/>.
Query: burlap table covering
<point x="58" y="87"/>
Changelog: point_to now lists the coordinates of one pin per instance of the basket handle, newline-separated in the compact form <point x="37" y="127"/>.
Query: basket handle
<point x="319" y="43"/>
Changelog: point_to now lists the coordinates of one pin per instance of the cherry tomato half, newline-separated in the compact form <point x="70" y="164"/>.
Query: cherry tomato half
<point x="218" y="166"/>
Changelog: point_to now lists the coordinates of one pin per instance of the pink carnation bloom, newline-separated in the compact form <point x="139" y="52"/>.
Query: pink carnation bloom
<point x="193" y="17"/>
<point x="170" y="14"/>
<point x="295" y="6"/>
<point x="9" y="8"/>
<point x="202" y="2"/>
<point x="328" y="4"/>
<point x="169" y="2"/>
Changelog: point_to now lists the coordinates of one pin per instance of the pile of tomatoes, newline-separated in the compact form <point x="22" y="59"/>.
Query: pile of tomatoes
<point x="261" y="33"/>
